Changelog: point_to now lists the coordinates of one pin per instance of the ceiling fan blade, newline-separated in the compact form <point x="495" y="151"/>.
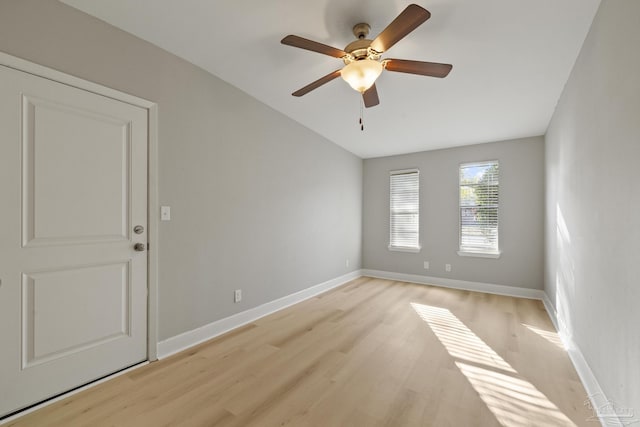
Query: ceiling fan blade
<point x="307" y="44"/>
<point x="311" y="86"/>
<point x="432" y="69"/>
<point x="408" y="20"/>
<point x="370" y="97"/>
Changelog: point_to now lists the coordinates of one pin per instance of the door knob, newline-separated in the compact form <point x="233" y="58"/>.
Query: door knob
<point x="139" y="247"/>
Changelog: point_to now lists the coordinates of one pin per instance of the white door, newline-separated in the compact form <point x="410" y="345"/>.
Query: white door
<point x="73" y="185"/>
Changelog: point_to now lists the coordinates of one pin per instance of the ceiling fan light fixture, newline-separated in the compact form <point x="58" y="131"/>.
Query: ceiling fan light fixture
<point x="362" y="57"/>
<point x="362" y="74"/>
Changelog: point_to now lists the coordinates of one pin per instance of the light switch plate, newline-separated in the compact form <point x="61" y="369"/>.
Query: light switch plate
<point x="165" y="213"/>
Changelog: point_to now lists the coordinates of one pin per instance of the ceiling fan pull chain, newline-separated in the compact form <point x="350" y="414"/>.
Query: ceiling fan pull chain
<point x="361" y="114"/>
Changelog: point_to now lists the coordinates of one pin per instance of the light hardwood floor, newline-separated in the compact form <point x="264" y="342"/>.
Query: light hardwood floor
<point x="370" y="353"/>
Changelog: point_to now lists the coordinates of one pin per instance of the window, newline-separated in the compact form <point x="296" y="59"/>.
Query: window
<point x="479" y="191"/>
<point x="404" y="206"/>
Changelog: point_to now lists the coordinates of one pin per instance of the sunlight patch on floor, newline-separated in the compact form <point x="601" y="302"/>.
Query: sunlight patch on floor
<point x="513" y="400"/>
<point x="459" y="341"/>
<point x="550" y="336"/>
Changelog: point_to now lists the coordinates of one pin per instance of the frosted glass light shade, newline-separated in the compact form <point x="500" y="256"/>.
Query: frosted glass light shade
<point x="361" y="75"/>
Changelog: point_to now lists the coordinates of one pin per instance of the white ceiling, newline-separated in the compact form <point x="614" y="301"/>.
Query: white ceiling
<point x="511" y="59"/>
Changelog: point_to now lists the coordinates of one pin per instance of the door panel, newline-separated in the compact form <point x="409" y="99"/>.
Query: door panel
<point x="73" y="184"/>
<point x="91" y="203"/>
<point x="50" y="326"/>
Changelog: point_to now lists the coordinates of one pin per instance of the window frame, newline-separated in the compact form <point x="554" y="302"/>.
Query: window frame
<point x="418" y="247"/>
<point x="470" y="253"/>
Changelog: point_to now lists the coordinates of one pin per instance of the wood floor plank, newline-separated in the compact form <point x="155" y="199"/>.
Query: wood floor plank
<point x="371" y="353"/>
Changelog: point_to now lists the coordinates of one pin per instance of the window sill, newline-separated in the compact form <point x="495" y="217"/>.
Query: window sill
<point x="480" y="254"/>
<point x="404" y="249"/>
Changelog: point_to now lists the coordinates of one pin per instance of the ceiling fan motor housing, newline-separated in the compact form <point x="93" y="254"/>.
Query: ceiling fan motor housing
<point x="359" y="49"/>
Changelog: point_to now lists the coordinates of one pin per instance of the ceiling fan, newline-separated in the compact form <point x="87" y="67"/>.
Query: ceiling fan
<point x="362" y="57"/>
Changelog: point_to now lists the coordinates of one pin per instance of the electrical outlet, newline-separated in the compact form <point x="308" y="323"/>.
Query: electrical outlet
<point x="447" y="267"/>
<point x="426" y="265"/>
<point x="237" y="295"/>
<point x="347" y="263"/>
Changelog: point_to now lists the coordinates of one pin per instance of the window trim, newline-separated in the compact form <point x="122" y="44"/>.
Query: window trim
<point x="481" y="254"/>
<point x="410" y="249"/>
<point x="478" y="254"/>
<point x="405" y="248"/>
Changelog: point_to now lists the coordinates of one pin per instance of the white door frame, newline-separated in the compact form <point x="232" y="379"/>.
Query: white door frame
<point x="152" y="182"/>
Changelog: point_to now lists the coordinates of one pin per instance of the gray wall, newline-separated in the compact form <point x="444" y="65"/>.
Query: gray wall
<point x="520" y="213"/>
<point x="254" y="203"/>
<point x="592" y="271"/>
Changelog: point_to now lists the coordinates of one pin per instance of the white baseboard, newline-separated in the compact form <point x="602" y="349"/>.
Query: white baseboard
<point x="601" y="406"/>
<point x="196" y="336"/>
<point x="488" y="288"/>
<point x="551" y="311"/>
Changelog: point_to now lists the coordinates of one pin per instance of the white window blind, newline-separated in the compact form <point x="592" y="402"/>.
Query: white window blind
<point x="479" y="198"/>
<point x="404" y="206"/>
